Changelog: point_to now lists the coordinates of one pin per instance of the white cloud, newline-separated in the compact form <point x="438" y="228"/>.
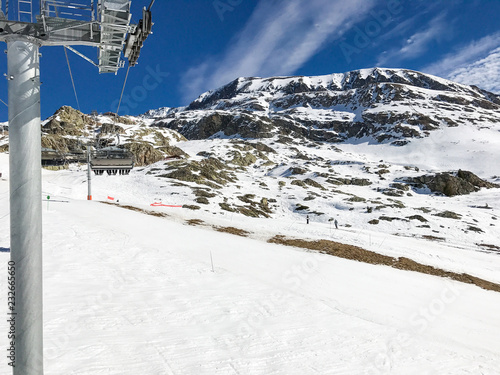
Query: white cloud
<point x="277" y="40"/>
<point x="415" y="45"/>
<point x="477" y="63"/>
<point x="484" y="73"/>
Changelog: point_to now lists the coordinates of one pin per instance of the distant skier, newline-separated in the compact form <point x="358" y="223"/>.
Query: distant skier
<point x="336" y="224"/>
<point x="307" y="219"/>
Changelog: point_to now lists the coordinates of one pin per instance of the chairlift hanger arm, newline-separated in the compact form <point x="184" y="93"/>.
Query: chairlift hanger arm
<point x="136" y="39"/>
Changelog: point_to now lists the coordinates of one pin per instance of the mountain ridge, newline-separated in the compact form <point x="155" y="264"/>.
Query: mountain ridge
<point x="339" y="82"/>
<point x="388" y="105"/>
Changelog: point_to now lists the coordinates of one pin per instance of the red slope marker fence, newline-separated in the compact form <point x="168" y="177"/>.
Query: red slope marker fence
<point x="159" y="204"/>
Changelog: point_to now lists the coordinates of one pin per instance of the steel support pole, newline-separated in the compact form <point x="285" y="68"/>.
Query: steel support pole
<point x="26" y="202"/>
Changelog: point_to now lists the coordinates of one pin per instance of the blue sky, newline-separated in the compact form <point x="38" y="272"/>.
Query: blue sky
<point x="200" y="45"/>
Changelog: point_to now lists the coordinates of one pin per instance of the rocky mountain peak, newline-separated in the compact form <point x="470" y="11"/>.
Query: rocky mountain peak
<point x="357" y="79"/>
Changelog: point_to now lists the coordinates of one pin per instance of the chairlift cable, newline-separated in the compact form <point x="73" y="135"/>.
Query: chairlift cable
<point x="123" y="90"/>
<point x="72" y="80"/>
<point x="69" y="68"/>
<point x="4" y="103"/>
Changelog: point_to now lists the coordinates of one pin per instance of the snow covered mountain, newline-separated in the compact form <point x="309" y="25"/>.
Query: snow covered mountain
<point x="387" y="105"/>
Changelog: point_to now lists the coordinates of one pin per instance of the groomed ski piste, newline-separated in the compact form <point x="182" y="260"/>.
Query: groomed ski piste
<point x="131" y="293"/>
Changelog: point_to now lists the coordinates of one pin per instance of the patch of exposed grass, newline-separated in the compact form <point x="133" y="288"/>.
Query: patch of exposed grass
<point x="202" y="200"/>
<point x="356" y="199"/>
<point x="195" y="222"/>
<point x="232" y="230"/>
<point x="418" y="217"/>
<point x="137" y="209"/>
<point x="203" y="193"/>
<point x="226" y="207"/>
<point x="191" y="207"/>
<point x="361" y="255"/>
<point x="432" y="238"/>
<point x="387" y="218"/>
<point x="449" y="215"/>
<point x="425" y="210"/>
<point x="251" y="211"/>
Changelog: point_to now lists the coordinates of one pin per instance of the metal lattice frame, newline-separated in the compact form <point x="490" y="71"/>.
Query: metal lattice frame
<point x="75" y="9"/>
<point x="77" y="22"/>
<point x="24" y="10"/>
<point x="115" y="25"/>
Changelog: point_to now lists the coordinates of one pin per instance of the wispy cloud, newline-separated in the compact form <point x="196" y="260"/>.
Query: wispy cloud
<point x="484" y="73"/>
<point x="416" y="44"/>
<point x="477" y="63"/>
<point x="279" y="38"/>
<point x="464" y="56"/>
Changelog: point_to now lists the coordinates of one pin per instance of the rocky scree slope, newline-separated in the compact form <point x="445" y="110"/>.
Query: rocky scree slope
<point x="69" y="131"/>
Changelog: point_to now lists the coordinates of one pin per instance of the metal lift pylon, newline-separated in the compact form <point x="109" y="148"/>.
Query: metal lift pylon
<point x="105" y="29"/>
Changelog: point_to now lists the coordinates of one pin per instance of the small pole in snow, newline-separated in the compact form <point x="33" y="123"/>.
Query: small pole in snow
<point x="48" y="199"/>
<point x="212" y="261"/>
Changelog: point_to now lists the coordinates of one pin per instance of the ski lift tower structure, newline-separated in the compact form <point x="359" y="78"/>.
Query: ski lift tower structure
<point x="104" y="24"/>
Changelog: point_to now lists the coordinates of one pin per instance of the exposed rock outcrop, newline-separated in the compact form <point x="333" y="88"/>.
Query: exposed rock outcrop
<point x="144" y="153"/>
<point x="67" y="121"/>
<point x="451" y="184"/>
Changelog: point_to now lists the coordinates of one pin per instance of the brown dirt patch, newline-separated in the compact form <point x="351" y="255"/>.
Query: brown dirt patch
<point x="361" y="255"/>
<point x="232" y="230"/>
<point x="132" y="208"/>
<point x="195" y="222"/>
<point x="432" y="238"/>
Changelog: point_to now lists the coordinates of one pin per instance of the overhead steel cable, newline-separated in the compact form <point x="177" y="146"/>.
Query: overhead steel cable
<point x="70" y="72"/>
<point x="123" y="90"/>
<point x="72" y="80"/>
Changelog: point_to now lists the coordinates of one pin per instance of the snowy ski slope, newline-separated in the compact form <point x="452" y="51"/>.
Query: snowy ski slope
<point x="129" y="293"/>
